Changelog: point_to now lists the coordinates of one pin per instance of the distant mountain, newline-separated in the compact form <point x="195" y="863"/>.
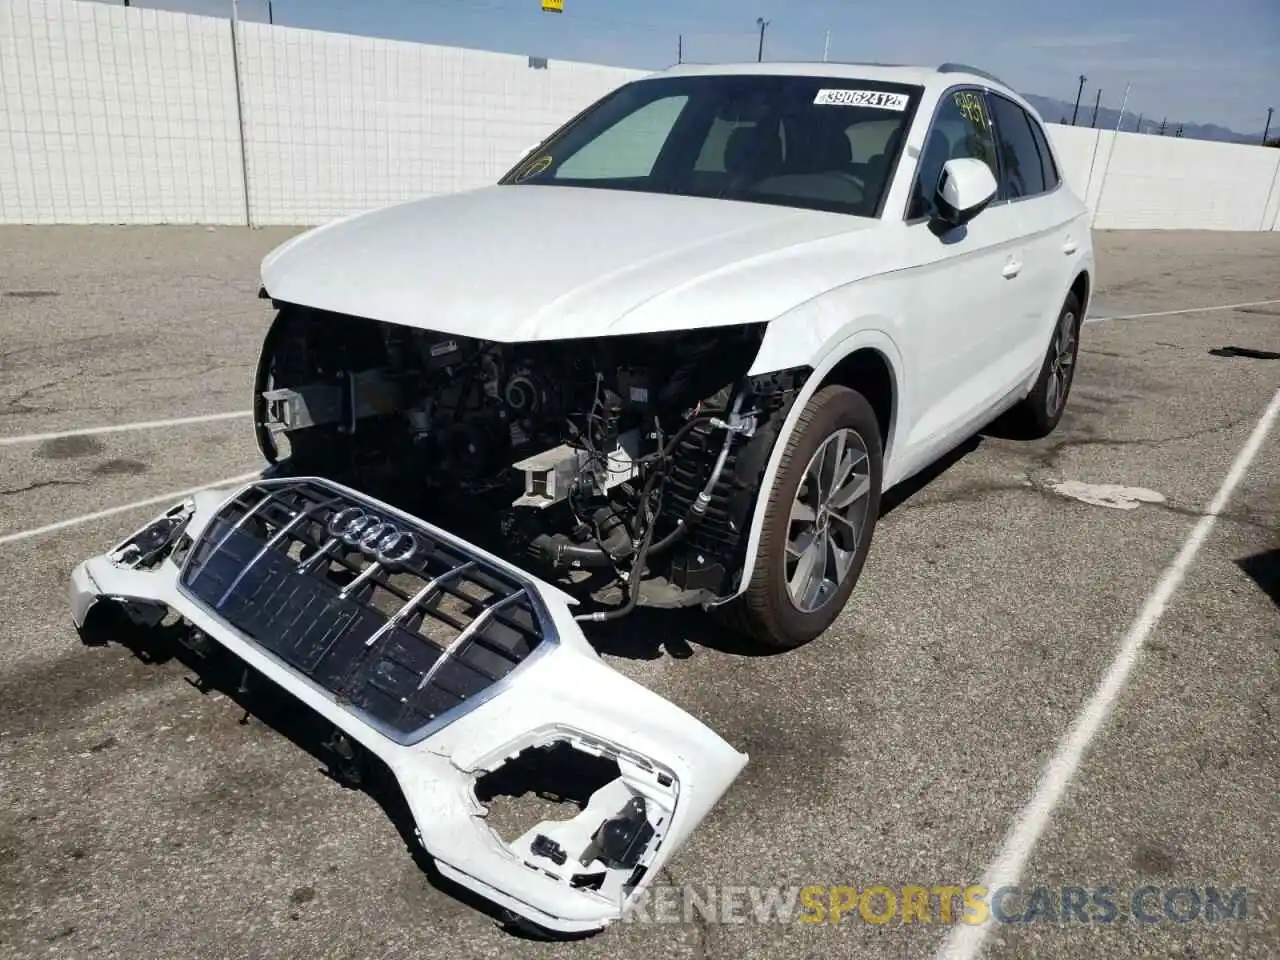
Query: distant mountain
<point x="1059" y="111"/>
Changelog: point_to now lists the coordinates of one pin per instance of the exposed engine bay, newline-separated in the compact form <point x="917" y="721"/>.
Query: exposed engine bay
<point x="636" y="457"/>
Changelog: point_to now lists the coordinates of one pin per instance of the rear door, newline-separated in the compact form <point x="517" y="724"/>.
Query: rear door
<point x="1046" y="212"/>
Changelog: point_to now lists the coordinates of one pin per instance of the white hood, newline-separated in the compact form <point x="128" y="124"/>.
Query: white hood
<point x="521" y="263"/>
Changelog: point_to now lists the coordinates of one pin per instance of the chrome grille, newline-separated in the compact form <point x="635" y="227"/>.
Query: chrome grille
<point x="406" y="642"/>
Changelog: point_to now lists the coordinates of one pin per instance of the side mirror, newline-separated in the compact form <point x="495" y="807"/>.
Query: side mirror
<point x="965" y="187"/>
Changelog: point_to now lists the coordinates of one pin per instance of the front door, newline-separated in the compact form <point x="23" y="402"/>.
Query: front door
<point x="959" y="293"/>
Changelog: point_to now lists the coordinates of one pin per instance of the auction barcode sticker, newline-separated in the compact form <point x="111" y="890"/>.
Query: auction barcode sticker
<point x="878" y="99"/>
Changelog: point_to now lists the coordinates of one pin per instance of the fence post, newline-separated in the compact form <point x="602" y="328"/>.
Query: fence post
<point x="1266" y="205"/>
<point x="1102" y="184"/>
<point x="1111" y="150"/>
<point x="1088" y="184"/>
<point x="244" y="148"/>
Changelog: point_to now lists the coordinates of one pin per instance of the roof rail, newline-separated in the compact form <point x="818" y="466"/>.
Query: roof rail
<point x="965" y="68"/>
<point x="857" y="63"/>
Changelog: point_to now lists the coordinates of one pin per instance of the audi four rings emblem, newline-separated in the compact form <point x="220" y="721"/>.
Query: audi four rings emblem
<point x="384" y="542"/>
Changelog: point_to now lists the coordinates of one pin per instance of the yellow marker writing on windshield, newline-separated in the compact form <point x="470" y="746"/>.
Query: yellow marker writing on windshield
<point x="535" y="168"/>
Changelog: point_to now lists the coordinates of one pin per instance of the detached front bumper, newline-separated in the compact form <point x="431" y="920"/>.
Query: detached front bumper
<point x="444" y="662"/>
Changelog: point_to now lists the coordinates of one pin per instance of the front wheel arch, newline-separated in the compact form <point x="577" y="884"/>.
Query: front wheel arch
<point x="837" y="438"/>
<point x="841" y="366"/>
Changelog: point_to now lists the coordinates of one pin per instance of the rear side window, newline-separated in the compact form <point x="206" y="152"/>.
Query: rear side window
<point x="1022" y="169"/>
<point x="961" y="128"/>
<point x="1051" y="178"/>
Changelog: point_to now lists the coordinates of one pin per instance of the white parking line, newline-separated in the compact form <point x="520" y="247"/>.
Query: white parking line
<point x="123" y="427"/>
<point x="1174" y="313"/>
<point x="965" y="941"/>
<point x="123" y="508"/>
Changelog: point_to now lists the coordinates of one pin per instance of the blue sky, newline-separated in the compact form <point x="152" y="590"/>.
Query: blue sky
<point x="1200" y="61"/>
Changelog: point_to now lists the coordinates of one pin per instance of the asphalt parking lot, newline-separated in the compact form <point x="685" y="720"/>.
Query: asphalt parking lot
<point x="140" y="817"/>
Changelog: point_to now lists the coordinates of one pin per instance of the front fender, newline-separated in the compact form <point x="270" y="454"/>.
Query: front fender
<point x="806" y="340"/>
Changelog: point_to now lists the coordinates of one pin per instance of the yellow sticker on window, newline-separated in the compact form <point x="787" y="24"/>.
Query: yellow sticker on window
<point x="534" y="168"/>
<point x="971" y="107"/>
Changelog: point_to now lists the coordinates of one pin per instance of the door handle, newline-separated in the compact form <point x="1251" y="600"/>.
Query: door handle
<point x="1070" y="247"/>
<point x="1011" y="269"/>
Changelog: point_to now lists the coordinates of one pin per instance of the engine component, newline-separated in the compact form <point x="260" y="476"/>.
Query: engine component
<point x="633" y="386"/>
<point x="606" y="471"/>
<point x="549" y="476"/>
<point x="721" y="501"/>
<point x="354" y="396"/>
<point x="474" y="448"/>
<point x="608" y="452"/>
<point x="552" y="475"/>
<point x="439" y="354"/>
<point x="526" y="393"/>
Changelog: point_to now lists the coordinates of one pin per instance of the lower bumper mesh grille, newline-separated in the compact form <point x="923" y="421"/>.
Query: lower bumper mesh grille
<point x="401" y="640"/>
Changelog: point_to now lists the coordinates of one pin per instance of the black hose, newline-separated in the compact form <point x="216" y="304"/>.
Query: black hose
<point x="647" y="548"/>
<point x="683" y="432"/>
<point x="672" y="538"/>
<point x="637" y="567"/>
<point x="558" y="549"/>
<point x="633" y="590"/>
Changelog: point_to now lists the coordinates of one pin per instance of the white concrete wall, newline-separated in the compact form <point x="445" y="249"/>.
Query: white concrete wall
<point x="1196" y="185"/>
<point x="1075" y="148"/>
<point x="1137" y="182"/>
<point x="124" y="115"/>
<point x="335" y="123"/>
<point x="117" y="116"/>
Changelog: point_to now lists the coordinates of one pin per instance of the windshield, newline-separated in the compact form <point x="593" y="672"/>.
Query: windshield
<point x="823" y="143"/>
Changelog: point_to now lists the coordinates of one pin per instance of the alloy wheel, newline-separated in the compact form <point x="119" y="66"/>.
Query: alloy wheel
<point x="1062" y="356"/>
<point x="827" y="519"/>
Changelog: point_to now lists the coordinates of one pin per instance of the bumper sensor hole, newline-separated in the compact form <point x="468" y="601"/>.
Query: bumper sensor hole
<point x="542" y="783"/>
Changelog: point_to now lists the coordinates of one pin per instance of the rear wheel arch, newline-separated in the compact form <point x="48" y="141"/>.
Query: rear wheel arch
<point x="1082" y="286"/>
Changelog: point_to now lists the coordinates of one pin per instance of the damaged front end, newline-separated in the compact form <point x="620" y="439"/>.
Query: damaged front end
<point x="444" y="662"/>
<point x="631" y="464"/>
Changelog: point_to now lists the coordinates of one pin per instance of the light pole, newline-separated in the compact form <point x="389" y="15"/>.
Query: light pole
<point x="1267" y="129"/>
<point x="1083" y="78"/>
<point x="760" y="52"/>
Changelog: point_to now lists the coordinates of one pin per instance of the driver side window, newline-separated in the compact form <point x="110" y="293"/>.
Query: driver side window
<point x="961" y="128"/>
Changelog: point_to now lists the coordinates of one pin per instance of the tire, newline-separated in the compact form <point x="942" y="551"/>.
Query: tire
<point x="768" y="611"/>
<point x="1038" y="413"/>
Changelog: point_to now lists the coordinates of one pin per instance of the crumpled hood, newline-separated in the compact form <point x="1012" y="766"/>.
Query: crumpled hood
<point x="521" y="263"/>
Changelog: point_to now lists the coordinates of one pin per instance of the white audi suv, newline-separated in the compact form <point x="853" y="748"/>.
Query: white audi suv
<point x="673" y="358"/>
